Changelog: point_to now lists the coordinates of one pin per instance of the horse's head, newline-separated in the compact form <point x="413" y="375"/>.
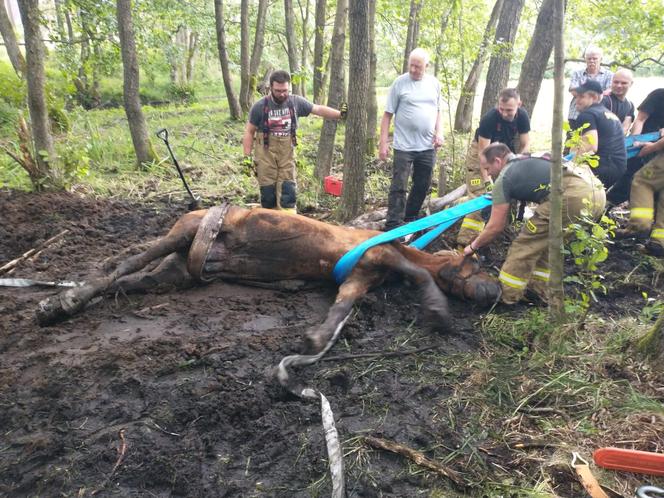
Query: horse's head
<point x="462" y="277"/>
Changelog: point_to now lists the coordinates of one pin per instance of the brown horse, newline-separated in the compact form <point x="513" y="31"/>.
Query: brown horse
<point x="259" y="245"/>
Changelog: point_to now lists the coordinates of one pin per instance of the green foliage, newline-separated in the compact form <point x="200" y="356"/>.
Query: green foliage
<point x="587" y="242"/>
<point x="75" y="162"/>
<point x="12" y="88"/>
<point x="184" y="94"/>
<point x="651" y="310"/>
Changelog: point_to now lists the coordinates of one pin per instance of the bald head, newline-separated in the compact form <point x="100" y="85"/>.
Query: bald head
<point x="621" y="83"/>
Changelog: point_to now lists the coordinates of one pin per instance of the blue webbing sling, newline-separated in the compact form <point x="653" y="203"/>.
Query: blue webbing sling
<point x="445" y="219"/>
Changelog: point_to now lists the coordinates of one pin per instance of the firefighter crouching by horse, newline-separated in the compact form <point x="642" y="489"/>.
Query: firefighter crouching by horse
<point x="528" y="179"/>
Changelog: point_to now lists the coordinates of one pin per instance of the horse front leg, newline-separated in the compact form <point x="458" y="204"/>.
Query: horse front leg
<point x="323" y="336"/>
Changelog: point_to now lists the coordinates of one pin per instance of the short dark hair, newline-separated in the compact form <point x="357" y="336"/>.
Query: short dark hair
<point x="494" y="150"/>
<point x="280" y="76"/>
<point x="507" y="94"/>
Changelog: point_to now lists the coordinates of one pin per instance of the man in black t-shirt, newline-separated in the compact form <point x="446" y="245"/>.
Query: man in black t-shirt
<point x="616" y="101"/>
<point x="603" y="134"/>
<point x="650" y="118"/>
<point x="507" y="123"/>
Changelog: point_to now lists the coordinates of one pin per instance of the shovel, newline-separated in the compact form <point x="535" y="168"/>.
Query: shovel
<point x="195" y="202"/>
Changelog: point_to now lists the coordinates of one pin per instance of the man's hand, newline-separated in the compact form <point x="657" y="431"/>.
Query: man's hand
<point x="647" y="149"/>
<point x="438" y="141"/>
<point x="469" y="250"/>
<point x="383" y="151"/>
<point x="343" y="110"/>
<point x="248" y="166"/>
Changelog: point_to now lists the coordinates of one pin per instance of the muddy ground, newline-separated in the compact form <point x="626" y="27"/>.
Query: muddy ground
<point x="170" y="393"/>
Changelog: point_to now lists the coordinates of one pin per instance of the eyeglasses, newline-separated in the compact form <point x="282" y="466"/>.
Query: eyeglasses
<point x="279" y="91"/>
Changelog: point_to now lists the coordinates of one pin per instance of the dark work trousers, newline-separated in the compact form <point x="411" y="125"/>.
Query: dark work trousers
<point x="619" y="193"/>
<point x="421" y="164"/>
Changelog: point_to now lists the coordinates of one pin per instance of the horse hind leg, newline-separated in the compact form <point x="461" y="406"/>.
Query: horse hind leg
<point x="171" y="272"/>
<point x="71" y="301"/>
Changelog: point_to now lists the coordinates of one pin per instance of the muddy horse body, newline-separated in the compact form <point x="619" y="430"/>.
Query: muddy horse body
<point x="261" y="245"/>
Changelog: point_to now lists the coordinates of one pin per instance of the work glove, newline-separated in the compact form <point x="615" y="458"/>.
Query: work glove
<point x="343" y="109"/>
<point x="248" y="166"/>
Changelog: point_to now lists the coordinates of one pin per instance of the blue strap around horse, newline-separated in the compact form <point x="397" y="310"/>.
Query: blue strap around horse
<point x="445" y="219"/>
<point x="441" y="220"/>
<point x="646" y="137"/>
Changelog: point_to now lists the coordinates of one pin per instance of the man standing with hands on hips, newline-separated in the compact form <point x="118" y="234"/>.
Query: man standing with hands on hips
<point x="414" y="100"/>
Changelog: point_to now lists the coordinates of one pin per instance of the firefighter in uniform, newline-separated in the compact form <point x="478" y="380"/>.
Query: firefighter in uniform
<point x="507" y="123"/>
<point x="528" y="179"/>
<point x="646" y="199"/>
<point x="275" y="118"/>
<point x="646" y="203"/>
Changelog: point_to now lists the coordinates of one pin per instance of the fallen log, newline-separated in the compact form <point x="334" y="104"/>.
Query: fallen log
<point x="375" y="220"/>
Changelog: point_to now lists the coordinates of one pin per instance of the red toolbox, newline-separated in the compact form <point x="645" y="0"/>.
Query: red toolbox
<point x="333" y="185"/>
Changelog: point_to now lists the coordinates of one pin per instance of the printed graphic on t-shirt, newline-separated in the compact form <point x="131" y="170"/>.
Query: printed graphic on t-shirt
<point x="279" y="122"/>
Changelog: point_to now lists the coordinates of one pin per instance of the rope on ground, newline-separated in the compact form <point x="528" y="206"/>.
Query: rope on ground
<point x="334" y="454"/>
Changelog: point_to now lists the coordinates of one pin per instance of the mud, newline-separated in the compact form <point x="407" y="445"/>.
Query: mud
<point x="171" y="393"/>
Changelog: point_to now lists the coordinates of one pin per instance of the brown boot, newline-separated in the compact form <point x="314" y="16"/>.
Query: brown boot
<point x="654" y="249"/>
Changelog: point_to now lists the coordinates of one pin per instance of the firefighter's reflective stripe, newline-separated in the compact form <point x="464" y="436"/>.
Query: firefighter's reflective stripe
<point x="512" y="281"/>
<point x="541" y="274"/>
<point x="657" y="233"/>
<point x="472" y="224"/>
<point x="642" y="213"/>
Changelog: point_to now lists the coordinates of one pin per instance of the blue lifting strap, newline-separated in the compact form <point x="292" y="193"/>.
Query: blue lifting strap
<point x="629" y="144"/>
<point x="444" y="218"/>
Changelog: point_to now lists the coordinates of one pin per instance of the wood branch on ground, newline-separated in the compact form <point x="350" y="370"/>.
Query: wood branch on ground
<point x="375" y="220"/>
<point x="32" y="252"/>
<point x="415" y="456"/>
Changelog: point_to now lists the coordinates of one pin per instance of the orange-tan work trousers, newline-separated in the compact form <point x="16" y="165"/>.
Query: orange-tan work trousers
<point x="646" y="200"/>
<point x="527" y="262"/>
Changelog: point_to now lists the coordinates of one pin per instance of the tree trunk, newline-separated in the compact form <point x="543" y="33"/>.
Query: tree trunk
<point x="503" y="46"/>
<point x="233" y="104"/>
<point x="304" y="61"/>
<point x="438" y="63"/>
<point x="60" y="19"/>
<point x="352" y="198"/>
<point x="44" y="153"/>
<point x="335" y="93"/>
<point x="132" y="102"/>
<point x="413" y="31"/>
<point x="292" y="47"/>
<point x="191" y="57"/>
<point x="372" y="103"/>
<point x="11" y="43"/>
<point x="257" y="51"/>
<point x="463" y="118"/>
<point x="245" y="103"/>
<point x="537" y="57"/>
<point x="319" y="48"/>
<point x="556" y="301"/>
<point x="652" y="344"/>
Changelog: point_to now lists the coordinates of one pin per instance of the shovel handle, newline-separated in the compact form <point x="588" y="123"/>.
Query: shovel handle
<point x="163" y="134"/>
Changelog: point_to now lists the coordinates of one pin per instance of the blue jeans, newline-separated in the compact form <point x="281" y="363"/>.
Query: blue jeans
<point x="420" y="163"/>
